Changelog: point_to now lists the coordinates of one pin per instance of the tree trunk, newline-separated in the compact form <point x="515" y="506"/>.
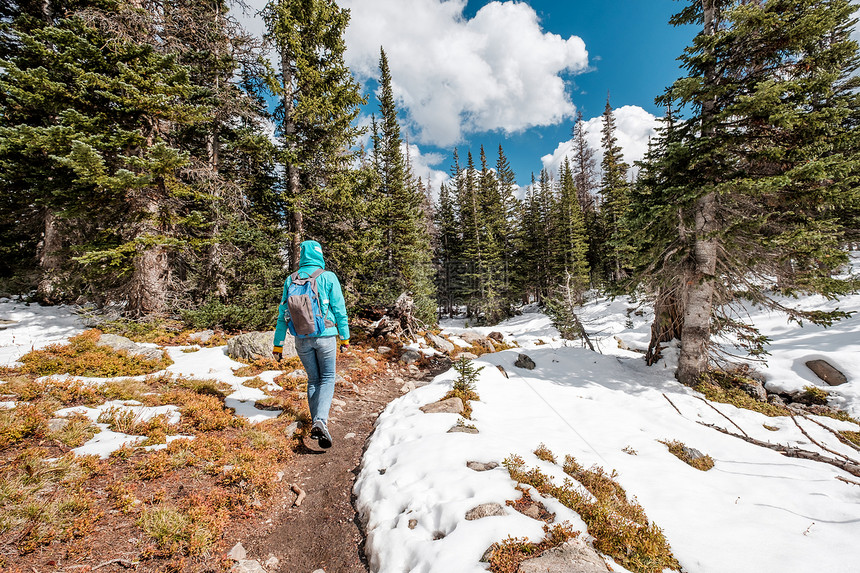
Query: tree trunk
<point x="49" y="259"/>
<point x="147" y="289"/>
<point x="667" y="325"/>
<point x="701" y="282"/>
<point x="292" y="171"/>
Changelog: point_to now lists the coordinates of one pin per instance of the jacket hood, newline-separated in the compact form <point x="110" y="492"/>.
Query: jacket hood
<point x="311" y="255"/>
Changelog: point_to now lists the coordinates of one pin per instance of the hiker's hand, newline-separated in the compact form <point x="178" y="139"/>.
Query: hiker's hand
<point x="278" y="356"/>
<point x="344" y="345"/>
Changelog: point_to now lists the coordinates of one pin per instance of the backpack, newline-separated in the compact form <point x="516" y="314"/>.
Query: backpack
<point x="303" y="301"/>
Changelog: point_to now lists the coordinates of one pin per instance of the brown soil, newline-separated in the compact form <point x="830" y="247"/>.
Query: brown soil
<point x="324" y="532"/>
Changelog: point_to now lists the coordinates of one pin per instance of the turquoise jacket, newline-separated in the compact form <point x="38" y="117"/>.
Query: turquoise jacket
<point x="331" y="296"/>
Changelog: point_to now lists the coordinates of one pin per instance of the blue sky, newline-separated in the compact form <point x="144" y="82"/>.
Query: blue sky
<point x="467" y="73"/>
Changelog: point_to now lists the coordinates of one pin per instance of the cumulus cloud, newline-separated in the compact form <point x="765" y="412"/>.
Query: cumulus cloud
<point x="423" y="167"/>
<point x="633" y="127"/>
<point x="497" y="71"/>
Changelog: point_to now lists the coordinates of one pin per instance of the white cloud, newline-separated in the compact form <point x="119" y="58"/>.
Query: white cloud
<point x="497" y="71"/>
<point x="633" y="127"/>
<point x="422" y="166"/>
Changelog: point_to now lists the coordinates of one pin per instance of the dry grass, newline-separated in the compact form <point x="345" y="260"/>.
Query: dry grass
<point x="619" y="526"/>
<point x="76" y="433"/>
<point x="82" y="357"/>
<point x="505" y="557"/>
<point x="544" y="453"/>
<point x="680" y="451"/>
<point x="724" y="387"/>
<point x="853" y="437"/>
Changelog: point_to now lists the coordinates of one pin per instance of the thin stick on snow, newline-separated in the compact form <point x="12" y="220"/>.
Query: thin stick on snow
<point x="723" y="415"/>
<point x="846" y="480"/>
<point x="811" y="439"/>
<point x="792" y="452"/>
<point x="674" y="406"/>
<point x="839" y="436"/>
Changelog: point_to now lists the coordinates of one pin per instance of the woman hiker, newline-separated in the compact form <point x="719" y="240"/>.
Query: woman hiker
<point x="313" y="310"/>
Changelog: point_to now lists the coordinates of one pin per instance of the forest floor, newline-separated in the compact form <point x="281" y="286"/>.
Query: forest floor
<point x="325" y="532"/>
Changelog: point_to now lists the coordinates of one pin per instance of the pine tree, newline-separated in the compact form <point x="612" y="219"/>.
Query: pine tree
<point x="751" y="185"/>
<point x="407" y="249"/>
<point x="571" y="226"/>
<point x="617" y="253"/>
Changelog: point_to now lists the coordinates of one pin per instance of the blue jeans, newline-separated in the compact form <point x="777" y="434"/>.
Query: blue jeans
<point x="318" y="356"/>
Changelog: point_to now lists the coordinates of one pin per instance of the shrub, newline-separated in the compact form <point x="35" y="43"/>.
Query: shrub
<point x="683" y="453"/>
<point x="814" y="395"/>
<point x="544" y="453"/>
<point x="22" y="422"/>
<point x="82" y="357"/>
<point x="619" y="527"/>
<point x="724" y="387"/>
<point x="77" y="432"/>
<point x="505" y="557"/>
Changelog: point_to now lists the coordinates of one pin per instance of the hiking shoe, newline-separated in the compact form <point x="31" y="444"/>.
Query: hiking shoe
<point x="320" y="433"/>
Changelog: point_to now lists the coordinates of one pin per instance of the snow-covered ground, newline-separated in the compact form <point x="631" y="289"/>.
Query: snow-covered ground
<point x="756" y="511"/>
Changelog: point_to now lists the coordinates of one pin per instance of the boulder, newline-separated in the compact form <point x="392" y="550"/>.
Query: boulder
<point x="121" y="343"/>
<point x="827" y="372"/>
<point x="572" y="556"/>
<point x="440" y="343"/>
<point x="485" y="510"/>
<point x="775" y="399"/>
<point x="482" y="466"/>
<point x="449" y="406"/>
<point x="497" y="336"/>
<point x="524" y="361"/>
<point x="202" y="337"/>
<point x="468" y="355"/>
<point x="255" y="345"/>
<point x="410" y="356"/>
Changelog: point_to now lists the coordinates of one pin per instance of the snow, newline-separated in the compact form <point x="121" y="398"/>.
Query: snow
<point x="755" y="511"/>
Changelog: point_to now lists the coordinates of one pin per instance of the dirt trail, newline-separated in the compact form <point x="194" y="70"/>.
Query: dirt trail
<point x="324" y="532"/>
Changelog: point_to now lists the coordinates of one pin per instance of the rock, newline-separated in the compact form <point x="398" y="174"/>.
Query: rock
<point x="407" y="387"/>
<point x="383" y="350"/>
<point x="481" y="466"/>
<point x="248" y="566"/>
<point x="497" y="336"/>
<point x="532" y="511"/>
<point x="440" y="343"/>
<point x="238" y="553"/>
<point x="349" y="436"/>
<point x="202" y="337"/>
<point x="572" y="556"/>
<point x="413" y="523"/>
<point x="272" y="562"/>
<point x="121" y="343"/>
<point x="413" y="369"/>
<point x="410" y="356"/>
<point x="827" y="372"/>
<point x="775" y="399"/>
<point x="485" y="510"/>
<point x="463" y="430"/>
<point x="371" y="361"/>
<point x="468" y="355"/>
<point x="471" y="337"/>
<point x="297" y="374"/>
<point x="57" y="424"/>
<point x="291" y="429"/>
<point x="691" y="453"/>
<point x="253" y="345"/>
<point x="524" y="361"/>
<point x="338" y="402"/>
<point x="449" y="406"/>
<point x="755" y="389"/>
<point x="318" y="571"/>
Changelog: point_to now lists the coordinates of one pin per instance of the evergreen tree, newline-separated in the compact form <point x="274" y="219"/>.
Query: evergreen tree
<point x="751" y="185"/>
<point x="585" y="176"/>
<point x="571" y="226"/>
<point x="407" y="249"/>
<point x="614" y="189"/>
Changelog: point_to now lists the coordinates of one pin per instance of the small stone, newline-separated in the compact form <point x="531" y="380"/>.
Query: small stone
<point x="338" y="402"/>
<point x="291" y="429"/>
<point x="383" y="350"/>
<point x="775" y="399"/>
<point x="410" y="356"/>
<point x="524" y="361"/>
<point x="318" y="571"/>
<point x="827" y="372"/>
<point x="272" y="562"/>
<point x="573" y="556"/>
<point x="238" y="553"/>
<point x="496" y="335"/>
<point x="297" y="374"/>
<point x="481" y="466"/>
<point x="463" y="430"/>
<point x="440" y="343"/>
<point x="280" y="476"/>
<point x="203" y="336"/>
<point x="413" y="523"/>
<point x="485" y="510"/>
<point x="371" y="361"/>
<point x="755" y="389"/>
<point x="57" y="424"/>
<point x="349" y="436"/>
<point x="467" y="355"/>
<point x="248" y="566"/>
<point x="532" y="511"/>
<point x="407" y="387"/>
<point x="449" y="406"/>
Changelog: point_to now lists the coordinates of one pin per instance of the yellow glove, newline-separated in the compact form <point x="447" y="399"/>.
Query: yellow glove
<point x="344" y="344"/>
